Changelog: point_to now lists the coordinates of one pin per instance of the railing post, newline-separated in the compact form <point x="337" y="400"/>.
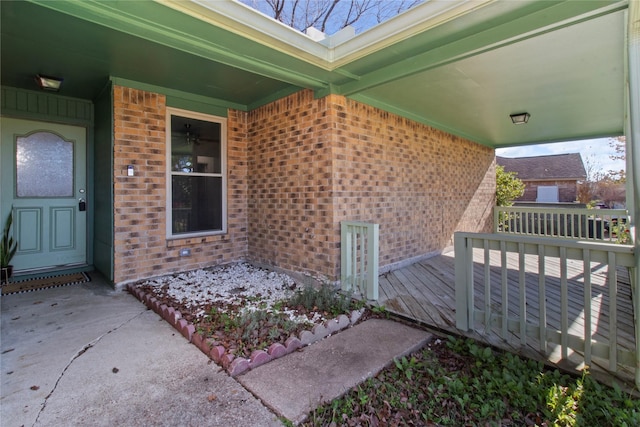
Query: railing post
<point x="345" y="260"/>
<point x="373" y="256"/>
<point x="461" y="265"/>
<point x="359" y="254"/>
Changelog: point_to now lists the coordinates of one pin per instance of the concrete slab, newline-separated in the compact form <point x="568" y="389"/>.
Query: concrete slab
<point x="294" y="385"/>
<point x="87" y="355"/>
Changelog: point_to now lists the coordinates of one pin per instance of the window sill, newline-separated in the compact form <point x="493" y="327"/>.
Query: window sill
<point x="175" y="241"/>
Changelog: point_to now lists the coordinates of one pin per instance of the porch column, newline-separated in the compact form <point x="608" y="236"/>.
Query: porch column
<point x="632" y="132"/>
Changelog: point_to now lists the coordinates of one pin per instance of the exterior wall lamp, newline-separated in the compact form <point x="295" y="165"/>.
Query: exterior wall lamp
<point x="520" y="118"/>
<point x="49" y="83"/>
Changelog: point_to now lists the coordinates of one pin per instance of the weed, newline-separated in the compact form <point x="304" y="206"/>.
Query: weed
<point x="458" y="382"/>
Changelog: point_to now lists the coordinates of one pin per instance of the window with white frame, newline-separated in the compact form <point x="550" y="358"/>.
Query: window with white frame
<point x="196" y="157"/>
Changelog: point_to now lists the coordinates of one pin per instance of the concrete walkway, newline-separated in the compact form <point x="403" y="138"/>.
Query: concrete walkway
<point x="87" y="355"/>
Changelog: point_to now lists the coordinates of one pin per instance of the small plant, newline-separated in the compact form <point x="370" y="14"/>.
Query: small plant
<point x="622" y="233"/>
<point x="323" y="299"/>
<point x="380" y="310"/>
<point x="8" y="245"/>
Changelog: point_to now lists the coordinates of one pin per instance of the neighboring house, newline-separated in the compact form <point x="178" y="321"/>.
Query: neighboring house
<point x="188" y="134"/>
<point x="547" y="179"/>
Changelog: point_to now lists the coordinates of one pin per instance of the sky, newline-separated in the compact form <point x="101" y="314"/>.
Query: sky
<point x="595" y="151"/>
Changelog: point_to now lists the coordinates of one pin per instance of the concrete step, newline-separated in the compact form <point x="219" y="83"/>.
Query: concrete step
<point x="294" y="385"/>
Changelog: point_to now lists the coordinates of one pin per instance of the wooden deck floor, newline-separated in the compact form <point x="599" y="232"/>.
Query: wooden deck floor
<point x="425" y="292"/>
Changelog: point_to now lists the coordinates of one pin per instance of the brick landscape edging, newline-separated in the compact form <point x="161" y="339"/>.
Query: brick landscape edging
<point x="237" y="365"/>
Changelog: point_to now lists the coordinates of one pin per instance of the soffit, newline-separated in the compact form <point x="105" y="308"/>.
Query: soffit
<point x="462" y="67"/>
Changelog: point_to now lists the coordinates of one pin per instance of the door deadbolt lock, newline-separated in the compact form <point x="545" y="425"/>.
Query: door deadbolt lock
<point x="82" y="205"/>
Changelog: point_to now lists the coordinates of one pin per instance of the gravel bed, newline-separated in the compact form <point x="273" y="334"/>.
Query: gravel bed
<point x="234" y="287"/>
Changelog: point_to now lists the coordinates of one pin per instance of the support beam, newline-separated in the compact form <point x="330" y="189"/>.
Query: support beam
<point x="633" y="157"/>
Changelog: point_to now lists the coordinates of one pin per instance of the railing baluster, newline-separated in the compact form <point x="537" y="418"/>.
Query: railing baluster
<point x="580" y="218"/>
<point x="586" y="255"/>
<point x="612" y="278"/>
<point x="542" y="299"/>
<point x="354" y="258"/>
<point x="487" y="285"/>
<point x="471" y="287"/>
<point x="362" y="261"/>
<point x="359" y="258"/>
<point x="505" y="289"/>
<point x="462" y="265"/>
<point x="564" y="303"/>
<point x="523" y="294"/>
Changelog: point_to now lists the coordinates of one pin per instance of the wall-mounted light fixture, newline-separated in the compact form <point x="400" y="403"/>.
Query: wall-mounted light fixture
<point x="520" y="118"/>
<point x="49" y="83"/>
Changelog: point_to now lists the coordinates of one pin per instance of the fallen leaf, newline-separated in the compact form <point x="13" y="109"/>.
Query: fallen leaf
<point x="35" y="387"/>
<point x="212" y="397"/>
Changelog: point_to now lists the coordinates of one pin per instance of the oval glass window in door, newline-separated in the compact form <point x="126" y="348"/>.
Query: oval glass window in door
<point x="44" y="166"/>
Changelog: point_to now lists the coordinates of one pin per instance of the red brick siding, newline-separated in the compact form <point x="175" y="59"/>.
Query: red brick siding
<point x="290" y="206"/>
<point x="140" y="245"/>
<point x="567" y="190"/>
<point x="420" y="184"/>
<point x="316" y="162"/>
<point x="296" y="168"/>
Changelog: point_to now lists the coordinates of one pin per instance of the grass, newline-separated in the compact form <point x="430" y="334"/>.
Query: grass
<point x="456" y="382"/>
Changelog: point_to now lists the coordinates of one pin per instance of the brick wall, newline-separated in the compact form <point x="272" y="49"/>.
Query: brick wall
<point x="296" y="168"/>
<point x="567" y="190"/>
<point x="291" y="223"/>
<point x="315" y="162"/>
<point x="420" y="184"/>
<point x="140" y="244"/>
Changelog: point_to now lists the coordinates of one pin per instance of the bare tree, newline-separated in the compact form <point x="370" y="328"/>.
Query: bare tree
<point x="330" y="16"/>
<point x="603" y="187"/>
<point x="619" y="145"/>
<point x="588" y="190"/>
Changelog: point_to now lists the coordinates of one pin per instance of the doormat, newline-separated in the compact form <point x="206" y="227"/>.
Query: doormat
<point x="44" y="283"/>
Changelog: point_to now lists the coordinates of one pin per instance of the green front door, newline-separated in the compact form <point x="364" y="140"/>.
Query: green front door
<point x="43" y="179"/>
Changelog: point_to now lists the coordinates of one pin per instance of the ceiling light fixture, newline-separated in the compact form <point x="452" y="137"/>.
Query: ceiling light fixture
<point x="191" y="138"/>
<point x="520" y="118"/>
<point x="49" y="83"/>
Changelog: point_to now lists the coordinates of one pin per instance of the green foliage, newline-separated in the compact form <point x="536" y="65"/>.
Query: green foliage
<point x="622" y="233"/>
<point x="459" y="382"/>
<point x="324" y="299"/>
<point x="508" y="187"/>
<point x="380" y="310"/>
<point x="8" y="245"/>
<point x="246" y="331"/>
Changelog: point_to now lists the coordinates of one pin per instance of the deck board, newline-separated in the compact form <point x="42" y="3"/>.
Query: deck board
<point x="425" y="292"/>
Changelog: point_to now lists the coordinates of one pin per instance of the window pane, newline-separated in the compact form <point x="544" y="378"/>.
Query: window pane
<point x="44" y="166"/>
<point x="197" y="204"/>
<point x="195" y="146"/>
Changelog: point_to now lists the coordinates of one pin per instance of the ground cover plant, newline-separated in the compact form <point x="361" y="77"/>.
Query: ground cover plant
<point x="455" y="382"/>
<point x="244" y="308"/>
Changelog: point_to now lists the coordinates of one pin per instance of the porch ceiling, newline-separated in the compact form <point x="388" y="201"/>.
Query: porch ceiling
<point x="460" y="66"/>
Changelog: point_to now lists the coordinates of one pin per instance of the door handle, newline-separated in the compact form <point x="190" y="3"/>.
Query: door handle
<point x="82" y="205"/>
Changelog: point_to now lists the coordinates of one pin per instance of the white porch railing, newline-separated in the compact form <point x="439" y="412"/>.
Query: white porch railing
<point x="529" y="311"/>
<point x="570" y="223"/>
<point x="359" y="258"/>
